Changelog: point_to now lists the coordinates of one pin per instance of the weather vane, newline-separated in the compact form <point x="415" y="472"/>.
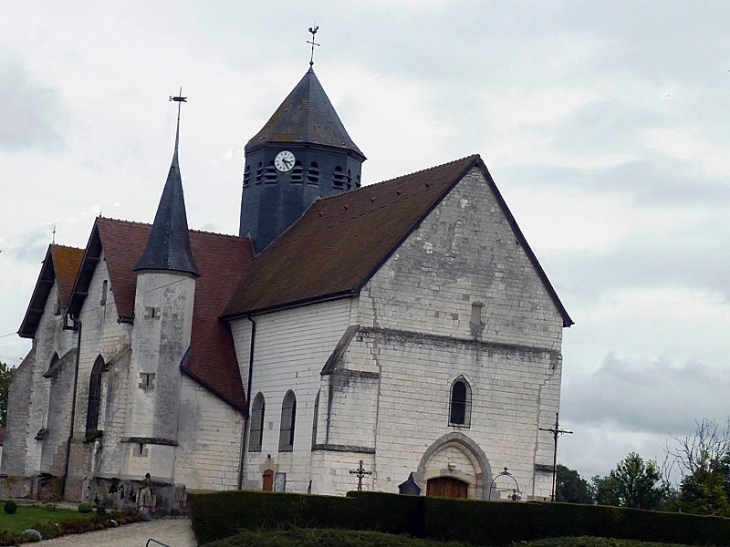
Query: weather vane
<point x="313" y="30"/>
<point x="179" y="99"/>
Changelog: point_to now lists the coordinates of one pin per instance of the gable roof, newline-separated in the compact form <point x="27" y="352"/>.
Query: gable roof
<point x="61" y="265"/>
<point x="221" y="261"/>
<point x="306" y="116"/>
<point x="341" y="241"/>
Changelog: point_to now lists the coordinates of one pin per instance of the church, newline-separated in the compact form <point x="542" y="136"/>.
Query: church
<point x="399" y="336"/>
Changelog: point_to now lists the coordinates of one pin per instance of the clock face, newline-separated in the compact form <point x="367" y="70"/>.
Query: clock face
<point x="284" y="161"/>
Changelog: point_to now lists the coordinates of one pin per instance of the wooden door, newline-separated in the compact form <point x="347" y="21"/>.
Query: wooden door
<point x="268" y="481"/>
<point x="447" y="487"/>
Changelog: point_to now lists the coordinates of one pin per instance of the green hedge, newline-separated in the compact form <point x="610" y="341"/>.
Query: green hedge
<point x="220" y="515"/>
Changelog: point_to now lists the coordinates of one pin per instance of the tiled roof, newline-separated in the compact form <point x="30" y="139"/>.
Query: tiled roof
<point x="306" y="116"/>
<point x="221" y="260"/>
<point x="61" y="264"/>
<point x="341" y="241"/>
<point x="66" y="261"/>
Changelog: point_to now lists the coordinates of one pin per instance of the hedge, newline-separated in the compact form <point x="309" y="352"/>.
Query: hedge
<point x="220" y="515"/>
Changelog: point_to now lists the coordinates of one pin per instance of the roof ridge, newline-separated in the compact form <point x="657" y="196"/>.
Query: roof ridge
<point x="380" y="183"/>
<point x="191" y="230"/>
<point x="59" y="246"/>
<point x="218" y="234"/>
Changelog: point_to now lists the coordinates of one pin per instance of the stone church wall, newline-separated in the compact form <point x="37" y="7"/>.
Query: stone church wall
<point x="291" y="347"/>
<point x="101" y="336"/>
<point x="209" y="439"/>
<point x="461" y="298"/>
<point x="464" y="254"/>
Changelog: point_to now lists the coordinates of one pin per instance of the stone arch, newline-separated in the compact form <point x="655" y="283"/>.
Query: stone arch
<point x="457" y="456"/>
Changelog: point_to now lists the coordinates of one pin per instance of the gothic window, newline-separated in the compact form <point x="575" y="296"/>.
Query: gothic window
<point x="314" y="421"/>
<point x="460" y="405"/>
<point x="339" y="177"/>
<point x="288" y="419"/>
<point x="247" y="175"/>
<point x="257" y="423"/>
<point x="313" y="173"/>
<point x="349" y="180"/>
<point x="104" y="290"/>
<point x="92" y="412"/>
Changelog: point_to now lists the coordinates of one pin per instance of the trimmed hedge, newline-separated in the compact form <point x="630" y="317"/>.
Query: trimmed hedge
<point x="220" y="515"/>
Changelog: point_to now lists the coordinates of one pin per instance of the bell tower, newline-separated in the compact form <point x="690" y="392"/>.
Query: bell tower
<point x="301" y="154"/>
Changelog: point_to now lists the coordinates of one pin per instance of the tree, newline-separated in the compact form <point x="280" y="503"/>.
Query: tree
<point x="6" y="373"/>
<point x="703" y="458"/>
<point x="571" y="487"/>
<point x="633" y="483"/>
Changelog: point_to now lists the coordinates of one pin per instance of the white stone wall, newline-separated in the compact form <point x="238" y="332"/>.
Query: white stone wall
<point x="419" y="307"/>
<point x="210" y="436"/>
<point x="291" y="348"/>
<point x="464" y="252"/>
<point x="50" y="338"/>
<point x="101" y="335"/>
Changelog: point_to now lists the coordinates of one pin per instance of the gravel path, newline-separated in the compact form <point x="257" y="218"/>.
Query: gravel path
<point x="175" y="532"/>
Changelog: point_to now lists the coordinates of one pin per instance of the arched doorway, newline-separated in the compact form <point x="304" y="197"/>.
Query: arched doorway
<point x="454" y="466"/>
<point x="447" y="487"/>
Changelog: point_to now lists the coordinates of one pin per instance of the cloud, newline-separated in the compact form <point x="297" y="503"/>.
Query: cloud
<point x="32" y="115"/>
<point x="647" y="398"/>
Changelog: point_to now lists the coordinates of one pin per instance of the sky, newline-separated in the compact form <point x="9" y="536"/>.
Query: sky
<point x="605" y="126"/>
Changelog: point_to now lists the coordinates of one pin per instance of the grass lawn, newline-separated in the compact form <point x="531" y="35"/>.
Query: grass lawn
<point x="30" y="516"/>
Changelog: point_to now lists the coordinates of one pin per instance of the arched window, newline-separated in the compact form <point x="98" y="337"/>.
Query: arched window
<point x="314" y="421"/>
<point x="460" y="405"/>
<point x="288" y="419"/>
<point x="257" y="423"/>
<point x="92" y="412"/>
<point x="104" y="290"/>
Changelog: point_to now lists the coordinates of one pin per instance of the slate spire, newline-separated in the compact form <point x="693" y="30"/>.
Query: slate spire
<point x="168" y="247"/>
<point x="306" y="116"/>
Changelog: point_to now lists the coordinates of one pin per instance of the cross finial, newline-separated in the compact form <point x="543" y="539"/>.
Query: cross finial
<point x="54" y="234"/>
<point x="313" y="30"/>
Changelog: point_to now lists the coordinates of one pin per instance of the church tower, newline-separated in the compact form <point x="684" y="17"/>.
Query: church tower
<point x="302" y="153"/>
<point x="163" y="312"/>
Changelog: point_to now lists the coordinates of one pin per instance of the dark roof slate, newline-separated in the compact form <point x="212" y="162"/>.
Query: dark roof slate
<point x="168" y="247"/>
<point x="306" y="116"/>
<point x="341" y="241"/>
<point x="61" y="265"/>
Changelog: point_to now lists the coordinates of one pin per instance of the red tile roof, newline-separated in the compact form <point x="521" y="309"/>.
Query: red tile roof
<point x="341" y="241"/>
<point x="66" y="262"/>
<point x="221" y="261"/>
<point x="61" y="265"/>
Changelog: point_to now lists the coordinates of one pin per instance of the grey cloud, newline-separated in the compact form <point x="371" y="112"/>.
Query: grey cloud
<point x="656" y="397"/>
<point x="32" y="115"/>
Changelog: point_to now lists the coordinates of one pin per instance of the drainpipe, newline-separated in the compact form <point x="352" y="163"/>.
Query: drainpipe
<point x="77" y="327"/>
<point x="244" y="437"/>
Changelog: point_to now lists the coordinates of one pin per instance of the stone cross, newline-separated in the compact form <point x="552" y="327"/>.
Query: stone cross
<point x="360" y="472"/>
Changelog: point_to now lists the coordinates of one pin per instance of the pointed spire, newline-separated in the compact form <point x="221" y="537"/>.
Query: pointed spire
<point x="168" y="247"/>
<point x="306" y="117"/>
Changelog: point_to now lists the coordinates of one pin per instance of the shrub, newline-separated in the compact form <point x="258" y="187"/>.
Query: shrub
<point x="52" y="500"/>
<point x="10" y="507"/>
<point x="101" y="511"/>
<point x="84" y="508"/>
